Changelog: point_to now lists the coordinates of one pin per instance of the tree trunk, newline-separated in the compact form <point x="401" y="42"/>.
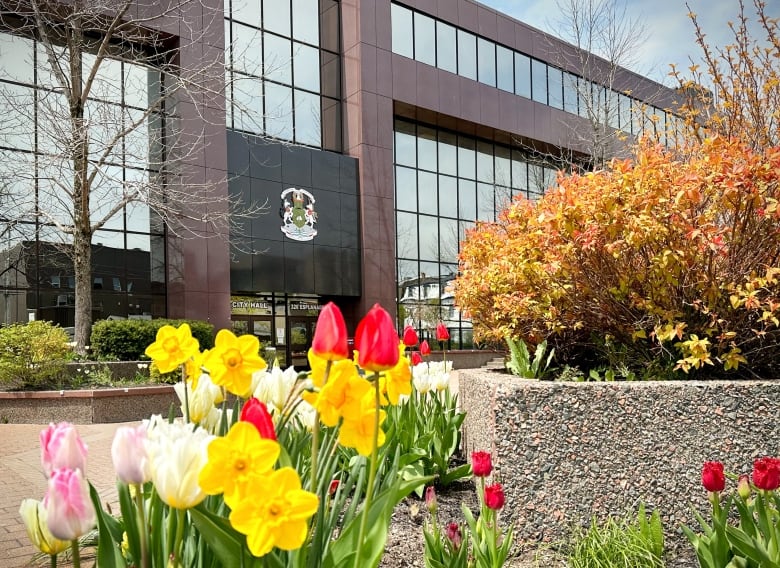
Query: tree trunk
<point x="82" y="267"/>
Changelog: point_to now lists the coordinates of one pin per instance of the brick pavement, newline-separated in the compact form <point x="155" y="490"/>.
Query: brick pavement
<point x="21" y="476"/>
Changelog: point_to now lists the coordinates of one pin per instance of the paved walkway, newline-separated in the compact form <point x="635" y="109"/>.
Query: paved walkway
<point x="21" y="476"/>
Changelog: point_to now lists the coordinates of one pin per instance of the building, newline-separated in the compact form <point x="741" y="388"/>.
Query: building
<point x="376" y="132"/>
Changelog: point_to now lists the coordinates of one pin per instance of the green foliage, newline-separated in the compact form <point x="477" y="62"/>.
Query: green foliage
<point x="619" y="542"/>
<point x="520" y="363"/>
<point x="32" y="354"/>
<point x="126" y="340"/>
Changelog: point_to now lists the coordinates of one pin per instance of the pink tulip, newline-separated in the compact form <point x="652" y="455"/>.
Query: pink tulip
<point x="128" y="452"/>
<point x="61" y="447"/>
<point x="69" y="509"/>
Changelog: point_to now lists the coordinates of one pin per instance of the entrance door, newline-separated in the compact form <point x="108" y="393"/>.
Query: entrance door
<point x="259" y="326"/>
<point x="300" y="333"/>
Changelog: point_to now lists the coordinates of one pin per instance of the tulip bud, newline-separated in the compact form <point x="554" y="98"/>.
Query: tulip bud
<point x="377" y="341"/>
<point x="454" y="535"/>
<point x="416" y="358"/>
<point x="442" y="333"/>
<point x="430" y="499"/>
<point x="494" y="496"/>
<point x="61" y="447"/>
<point x="256" y="413"/>
<point x="330" y="336"/>
<point x="68" y="506"/>
<point x="410" y="336"/>
<point x="425" y="349"/>
<point x="481" y="464"/>
<point x="743" y="486"/>
<point x="34" y="516"/>
<point x="333" y="487"/>
<point x="128" y="452"/>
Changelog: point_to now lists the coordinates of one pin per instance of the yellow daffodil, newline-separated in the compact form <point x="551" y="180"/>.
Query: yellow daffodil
<point x="279" y="516"/>
<point x="193" y="368"/>
<point x="357" y="430"/>
<point x="398" y="380"/>
<point x="35" y="521"/>
<point x="235" y="459"/>
<point x="233" y="361"/>
<point x="173" y="347"/>
<point x="341" y="395"/>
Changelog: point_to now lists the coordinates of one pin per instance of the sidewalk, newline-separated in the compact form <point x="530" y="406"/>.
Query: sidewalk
<point x="21" y="477"/>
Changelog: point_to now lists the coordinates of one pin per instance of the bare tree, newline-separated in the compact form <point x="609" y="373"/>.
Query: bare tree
<point x="116" y="118"/>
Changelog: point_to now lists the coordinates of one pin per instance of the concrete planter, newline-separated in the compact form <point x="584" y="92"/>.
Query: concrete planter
<point x="86" y="406"/>
<point x="568" y="451"/>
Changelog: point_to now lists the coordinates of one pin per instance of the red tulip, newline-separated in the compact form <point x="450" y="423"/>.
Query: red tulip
<point x="416" y="358"/>
<point x="330" y="335"/>
<point x="454" y="535"/>
<point x="334" y="486"/>
<point x="376" y="341"/>
<point x="712" y="476"/>
<point x="256" y="413"/>
<point x="442" y="333"/>
<point x="430" y="499"/>
<point x="766" y="473"/>
<point x="494" y="496"/>
<point x="425" y="349"/>
<point x="481" y="464"/>
<point x="410" y="336"/>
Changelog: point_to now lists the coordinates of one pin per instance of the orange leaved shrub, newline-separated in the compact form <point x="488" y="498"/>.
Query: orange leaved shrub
<point x="671" y="266"/>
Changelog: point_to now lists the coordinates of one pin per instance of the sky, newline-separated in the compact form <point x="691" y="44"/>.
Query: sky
<point x="670" y="33"/>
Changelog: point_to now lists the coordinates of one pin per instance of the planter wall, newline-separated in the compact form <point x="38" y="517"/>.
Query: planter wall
<point x="86" y="406"/>
<point x="568" y="451"/>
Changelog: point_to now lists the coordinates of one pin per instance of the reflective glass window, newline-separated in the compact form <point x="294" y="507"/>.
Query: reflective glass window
<point x="448" y="153"/>
<point x="406" y="235"/>
<point x="485" y="168"/>
<point x="570" y="92"/>
<point x="306" y="21"/>
<point x="278" y="111"/>
<point x="503" y="165"/>
<point x="276" y="16"/>
<point x="612" y="109"/>
<point x="427" y="193"/>
<point x="426" y="148"/>
<point x="405" y="188"/>
<point x="539" y="81"/>
<point x="505" y="69"/>
<point x="519" y="171"/>
<point x="585" y="100"/>
<point x="306" y="66"/>
<point x="448" y="237"/>
<point x="522" y="75"/>
<point x="403" y="36"/>
<point x="467" y="55"/>
<point x="448" y="196"/>
<point x="600" y="103"/>
<point x="467" y="157"/>
<point x="278" y="51"/>
<point x="247" y="50"/>
<point x="307" y="118"/>
<point x="17" y="56"/>
<point x="429" y="237"/>
<point x="248" y="104"/>
<point x="485" y="202"/>
<point x="446" y="47"/>
<point x="247" y="11"/>
<point x="405" y="144"/>
<point x="18" y="128"/>
<point x="503" y="197"/>
<point x="555" y="87"/>
<point x="624" y="103"/>
<point x="467" y="199"/>
<point x="486" y="51"/>
<point x="424" y="39"/>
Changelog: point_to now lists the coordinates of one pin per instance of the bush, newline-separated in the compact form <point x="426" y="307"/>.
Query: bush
<point x="126" y="340"/>
<point x="658" y="266"/>
<point x="32" y="354"/>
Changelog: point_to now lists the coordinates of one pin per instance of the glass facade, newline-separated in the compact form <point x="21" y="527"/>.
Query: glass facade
<point x="444" y="183"/>
<point x="36" y="188"/>
<point x="283" y="71"/>
<point x="442" y="45"/>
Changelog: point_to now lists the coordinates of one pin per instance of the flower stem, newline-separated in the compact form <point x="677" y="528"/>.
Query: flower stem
<point x="179" y="544"/>
<point x="74" y="547"/>
<point x="142" y="530"/>
<point x="315" y="436"/>
<point x="53" y="561"/>
<point x="371" y="475"/>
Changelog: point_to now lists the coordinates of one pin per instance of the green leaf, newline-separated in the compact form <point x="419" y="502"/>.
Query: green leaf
<point x="109" y="534"/>
<point x="223" y="539"/>
<point x="130" y="519"/>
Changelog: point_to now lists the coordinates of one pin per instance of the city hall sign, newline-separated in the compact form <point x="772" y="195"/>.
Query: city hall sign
<point x="298" y="214"/>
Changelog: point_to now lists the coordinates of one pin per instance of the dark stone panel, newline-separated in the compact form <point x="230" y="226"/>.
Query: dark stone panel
<point x="327" y="270"/>
<point x="239" y="188"/>
<point x="296" y="166"/>
<point x="267" y="226"/>
<point x="328" y="207"/>
<point x="350" y="222"/>
<point x="325" y="170"/>
<point x="348" y="175"/>
<point x="265" y="159"/>
<point x="237" y="153"/>
<point x="298" y="267"/>
<point x="350" y="272"/>
<point x="268" y="267"/>
<point x="240" y="270"/>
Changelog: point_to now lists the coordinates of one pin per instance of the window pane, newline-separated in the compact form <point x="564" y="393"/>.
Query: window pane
<point x="448" y="196"/>
<point x="426" y="148"/>
<point x="446" y="53"/>
<point x="539" y="81"/>
<point x="137" y="81"/>
<point x="17" y="56"/>
<point x="246" y="11"/>
<point x="625" y="113"/>
<point x="448" y="240"/>
<point x="17" y="128"/>
<point x="503" y="175"/>
<point x="613" y="119"/>
<point x="403" y="42"/>
<point x="306" y="21"/>
<point x="584" y="99"/>
<point x="307" y="118"/>
<point x="427" y="193"/>
<point x="522" y="75"/>
<point x="466" y="158"/>
<point x="467" y="200"/>
<point x="424" y="39"/>
<point x="276" y="16"/>
<point x="467" y="55"/>
<point x="485" y="168"/>
<point x="485" y="202"/>
<point x="429" y="238"/>
<point x="505" y="69"/>
<point x="405" y="188"/>
<point x="277" y="59"/>
<point x="487" y="61"/>
<point x="306" y="66"/>
<point x="570" y="93"/>
<point x="405" y="144"/>
<point x="248" y="104"/>
<point x="406" y="235"/>
<point x="448" y="153"/>
<point x="555" y="87"/>
<point x="519" y="171"/>
<point x="247" y="49"/>
<point x="278" y="111"/>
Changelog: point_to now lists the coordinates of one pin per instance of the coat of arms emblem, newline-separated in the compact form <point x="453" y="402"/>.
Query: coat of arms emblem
<point x="298" y="214"/>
